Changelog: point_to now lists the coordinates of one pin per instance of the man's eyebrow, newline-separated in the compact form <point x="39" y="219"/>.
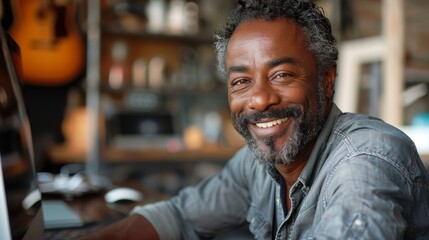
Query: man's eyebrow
<point x="279" y="61"/>
<point x="271" y="63"/>
<point x="236" y="69"/>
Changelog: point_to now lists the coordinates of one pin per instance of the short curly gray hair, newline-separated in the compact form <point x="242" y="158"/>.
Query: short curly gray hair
<point x="305" y="13"/>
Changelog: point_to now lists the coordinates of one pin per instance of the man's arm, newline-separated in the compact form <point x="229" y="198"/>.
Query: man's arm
<point x="132" y="227"/>
<point x="204" y="209"/>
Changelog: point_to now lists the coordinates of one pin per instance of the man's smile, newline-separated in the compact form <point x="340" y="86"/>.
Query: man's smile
<point x="271" y="123"/>
<point x="269" y="127"/>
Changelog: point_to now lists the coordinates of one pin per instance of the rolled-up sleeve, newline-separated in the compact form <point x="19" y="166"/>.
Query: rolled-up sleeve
<point x="163" y="217"/>
<point x="216" y="204"/>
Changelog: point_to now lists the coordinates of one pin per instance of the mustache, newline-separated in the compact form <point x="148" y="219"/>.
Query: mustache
<point x="291" y="111"/>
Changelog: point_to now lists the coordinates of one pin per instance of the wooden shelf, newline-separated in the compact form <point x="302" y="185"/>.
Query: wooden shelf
<point x="65" y="155"/>
<point x="199" y="38"/>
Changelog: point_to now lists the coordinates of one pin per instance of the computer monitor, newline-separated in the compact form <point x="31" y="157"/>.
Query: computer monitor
<point x="21" y="214"/>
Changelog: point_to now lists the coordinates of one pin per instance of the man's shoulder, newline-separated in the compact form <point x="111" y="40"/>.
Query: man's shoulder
<point x="362" y="134"/>
<point x="359" y="127"/>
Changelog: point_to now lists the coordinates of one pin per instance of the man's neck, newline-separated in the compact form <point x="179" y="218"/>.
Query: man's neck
<point x="290" y="172"/>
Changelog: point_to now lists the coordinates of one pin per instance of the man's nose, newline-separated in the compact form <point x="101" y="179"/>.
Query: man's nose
<point x="263" y="96"/>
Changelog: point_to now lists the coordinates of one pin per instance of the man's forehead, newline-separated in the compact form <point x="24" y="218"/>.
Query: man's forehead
<point x="279" y="38"/>
<point x="266" y="30"/>
<point x="264" y="25"/>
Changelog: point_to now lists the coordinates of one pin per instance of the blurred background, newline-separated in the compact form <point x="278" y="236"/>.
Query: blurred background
<point x="129" y="89"/>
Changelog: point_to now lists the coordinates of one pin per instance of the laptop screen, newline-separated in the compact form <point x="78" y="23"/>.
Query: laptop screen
<point x="20" y="198"/>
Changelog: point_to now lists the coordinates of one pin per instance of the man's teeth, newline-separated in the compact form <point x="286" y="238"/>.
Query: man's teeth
<point x="272" y="123"/>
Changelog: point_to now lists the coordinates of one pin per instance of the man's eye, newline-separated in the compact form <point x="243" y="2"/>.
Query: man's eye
<point x="283" y="75"/>
<point x="238" y="82"/>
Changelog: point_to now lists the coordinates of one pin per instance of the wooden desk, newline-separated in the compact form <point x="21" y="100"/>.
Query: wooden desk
<point x="92" y="208"/>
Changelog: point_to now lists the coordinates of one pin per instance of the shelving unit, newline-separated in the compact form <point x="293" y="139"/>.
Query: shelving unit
<point x="195" y="113"/>
<point x="188" y="86"/>
<point x="187" y="89"/>
<point x="189" y="95"/>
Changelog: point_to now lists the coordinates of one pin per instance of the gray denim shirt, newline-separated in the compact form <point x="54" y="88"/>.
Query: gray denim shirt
<point x="364" y="180"/>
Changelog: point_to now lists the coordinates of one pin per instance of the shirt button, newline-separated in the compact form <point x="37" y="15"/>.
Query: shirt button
<point x="358" y="222"/>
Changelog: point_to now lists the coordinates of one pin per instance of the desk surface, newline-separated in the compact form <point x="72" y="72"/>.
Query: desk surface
<point x="92" y="208"/>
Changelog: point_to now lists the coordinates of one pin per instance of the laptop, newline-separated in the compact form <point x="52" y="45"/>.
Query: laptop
<point x="18" y="183"/>
<point x="23" y="214"/>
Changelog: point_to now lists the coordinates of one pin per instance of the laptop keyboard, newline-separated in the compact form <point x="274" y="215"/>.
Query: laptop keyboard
<point x="66" y="234"/>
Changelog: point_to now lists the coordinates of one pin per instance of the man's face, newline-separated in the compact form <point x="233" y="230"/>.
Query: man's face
<point x="273" y="92"/>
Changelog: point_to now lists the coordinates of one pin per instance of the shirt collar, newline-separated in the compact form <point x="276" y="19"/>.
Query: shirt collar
<point x="315" y="162"/>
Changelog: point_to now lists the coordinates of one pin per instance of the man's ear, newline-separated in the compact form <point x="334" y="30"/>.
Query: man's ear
<point x="330" y="76"/>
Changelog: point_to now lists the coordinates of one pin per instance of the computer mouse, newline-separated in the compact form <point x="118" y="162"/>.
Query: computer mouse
<point x="123" y="194"/>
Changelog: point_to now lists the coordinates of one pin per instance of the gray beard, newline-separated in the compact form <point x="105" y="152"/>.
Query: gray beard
<point x="306" y="130"/>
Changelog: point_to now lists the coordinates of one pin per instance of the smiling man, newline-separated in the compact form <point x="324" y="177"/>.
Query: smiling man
<point x="308" y="171"/>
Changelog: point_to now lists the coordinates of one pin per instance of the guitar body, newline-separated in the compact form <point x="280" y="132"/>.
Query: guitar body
<point x="52" y="49"/>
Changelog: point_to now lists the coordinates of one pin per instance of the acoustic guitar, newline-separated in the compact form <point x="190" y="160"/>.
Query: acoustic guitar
<point x="51" y="45"/>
